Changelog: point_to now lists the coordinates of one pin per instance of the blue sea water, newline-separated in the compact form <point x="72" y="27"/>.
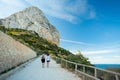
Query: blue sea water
<point x="103" y="66"/>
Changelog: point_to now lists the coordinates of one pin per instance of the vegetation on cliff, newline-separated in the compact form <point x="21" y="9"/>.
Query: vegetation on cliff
<point x="40" y="45"/>
<point x="116" y="69"/>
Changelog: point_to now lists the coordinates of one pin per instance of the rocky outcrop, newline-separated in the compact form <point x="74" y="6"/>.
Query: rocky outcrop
<point x="32" y="18"/>
<point x="13" y="52"/>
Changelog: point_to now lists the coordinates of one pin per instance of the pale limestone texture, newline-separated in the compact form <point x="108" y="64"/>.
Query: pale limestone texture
<point x="13" y="52"/>
<point x="32" y="18"/>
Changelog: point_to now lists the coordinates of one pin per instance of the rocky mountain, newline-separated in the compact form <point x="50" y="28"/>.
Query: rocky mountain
<point x="32" y="18"/>
<point x="12" y="52"/>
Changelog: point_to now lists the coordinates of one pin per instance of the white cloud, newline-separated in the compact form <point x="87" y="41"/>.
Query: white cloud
<point x="77" y="7"/>
<point x="105" y="59"/>
<point x="12" y="3"/>
<point x="104" y="54"/>
<point x="55" y="8"/>
<point x="64" y="9"/>
<point x="8" y="7"/>
<point x="101" y="57"/>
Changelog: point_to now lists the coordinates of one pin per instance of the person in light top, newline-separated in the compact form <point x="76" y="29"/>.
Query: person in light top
<point x="48" y="59"/>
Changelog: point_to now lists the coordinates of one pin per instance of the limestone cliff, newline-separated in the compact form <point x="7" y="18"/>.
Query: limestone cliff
<point x="13" y="52"/>
<point x="32" y="18"/>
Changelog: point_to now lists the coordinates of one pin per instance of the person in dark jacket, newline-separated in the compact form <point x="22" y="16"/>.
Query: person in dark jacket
<point x="43" y="60"/>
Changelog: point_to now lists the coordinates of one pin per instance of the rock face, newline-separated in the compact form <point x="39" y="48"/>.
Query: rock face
<point x="12" y="52"/>
<point x="32" y="19"/>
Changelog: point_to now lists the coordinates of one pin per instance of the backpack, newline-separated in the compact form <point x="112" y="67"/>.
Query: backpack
<point x="43" y="57"/>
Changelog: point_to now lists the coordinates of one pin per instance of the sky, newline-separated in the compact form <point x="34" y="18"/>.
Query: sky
<point x="91" y="26"/>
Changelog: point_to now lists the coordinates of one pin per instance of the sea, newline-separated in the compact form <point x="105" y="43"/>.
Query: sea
<point x="104" y="66"/>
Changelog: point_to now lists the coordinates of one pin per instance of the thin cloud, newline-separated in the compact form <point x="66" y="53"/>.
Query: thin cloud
<point x="64" y="9"/>
<point x="105" y="55"/>
<point x="74" y="42"/>
<point x="92" y="15"/>
<point x="105" y="49"/>
<point x="68" y="10"/>
<point x="98" y="52"/>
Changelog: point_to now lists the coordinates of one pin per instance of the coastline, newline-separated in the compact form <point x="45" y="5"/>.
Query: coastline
<point x="104" y="66"/>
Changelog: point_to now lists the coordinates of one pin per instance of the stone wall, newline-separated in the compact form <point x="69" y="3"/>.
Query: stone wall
<point x="13" y="52"/>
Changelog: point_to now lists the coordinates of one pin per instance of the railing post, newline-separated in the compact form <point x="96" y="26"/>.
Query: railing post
<point x="84" y="69"/>
<point x="66" y="63"/>
<point x="56" y="59"/>
<point x="116" y="77"/>
<point x="95" y="74"/>
<point x="61" y="61"/>
<point x="75" y="68"/>
<point x="84" y="72"/>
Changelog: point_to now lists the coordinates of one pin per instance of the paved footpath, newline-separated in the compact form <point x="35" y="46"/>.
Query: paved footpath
<point x="34" y="71"/>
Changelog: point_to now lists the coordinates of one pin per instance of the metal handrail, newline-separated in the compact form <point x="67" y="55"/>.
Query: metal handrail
<point x="95" y="69"/>
<point x="101" y="69"/>
<point x="88" y="75"/>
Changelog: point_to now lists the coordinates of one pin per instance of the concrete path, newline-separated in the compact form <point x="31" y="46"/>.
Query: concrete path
<point x="34" y="71"/>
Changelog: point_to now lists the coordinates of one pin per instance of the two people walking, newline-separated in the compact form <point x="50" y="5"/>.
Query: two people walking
<point x="45" y="58"/>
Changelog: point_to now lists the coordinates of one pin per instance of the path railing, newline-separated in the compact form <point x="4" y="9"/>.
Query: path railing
<point x="88" y="72"/>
